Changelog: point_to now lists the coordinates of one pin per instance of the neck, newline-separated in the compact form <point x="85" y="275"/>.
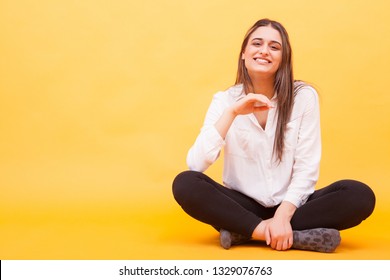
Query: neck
<point x="264" y="86"/>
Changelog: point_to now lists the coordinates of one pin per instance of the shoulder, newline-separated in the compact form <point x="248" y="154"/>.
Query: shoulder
<point x="302" y="89"/>
<point x="229" y="95"/>
<point x="305" y="100"/>
<point x="305" y="93"/>
<point x="233" y="91"/>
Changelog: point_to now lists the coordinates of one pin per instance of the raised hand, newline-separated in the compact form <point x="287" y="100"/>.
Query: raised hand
<point x="251" y="103"/>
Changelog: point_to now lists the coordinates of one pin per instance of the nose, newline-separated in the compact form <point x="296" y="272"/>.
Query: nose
<point x="263" y="49"/>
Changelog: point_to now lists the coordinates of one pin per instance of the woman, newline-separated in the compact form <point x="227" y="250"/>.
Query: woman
<point x="269" y="127"/>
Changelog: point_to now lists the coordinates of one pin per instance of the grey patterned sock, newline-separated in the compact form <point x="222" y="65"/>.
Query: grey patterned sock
<point x="227" y="238"/>
<point x="323" y="240"/>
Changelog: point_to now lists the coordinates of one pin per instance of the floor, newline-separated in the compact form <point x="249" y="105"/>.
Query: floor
<point x="98" y="109"/>
<point x="168" y="234"/>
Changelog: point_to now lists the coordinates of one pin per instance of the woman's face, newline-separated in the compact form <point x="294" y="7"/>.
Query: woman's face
<point x="263" y="52"/>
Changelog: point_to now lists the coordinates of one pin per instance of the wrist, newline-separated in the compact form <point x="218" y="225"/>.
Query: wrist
<point x="285" y="211"/>
<point x="231" y="111"/>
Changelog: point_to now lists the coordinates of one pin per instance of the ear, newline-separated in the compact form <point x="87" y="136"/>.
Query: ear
<point x="242" y="56"/>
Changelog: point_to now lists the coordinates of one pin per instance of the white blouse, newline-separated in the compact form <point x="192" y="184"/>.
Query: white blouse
<point x="249" y="165"/>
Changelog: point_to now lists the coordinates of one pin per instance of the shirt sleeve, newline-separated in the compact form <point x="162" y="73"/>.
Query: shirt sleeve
<point x="207" y="147"/>
<point x="307" y="152"/>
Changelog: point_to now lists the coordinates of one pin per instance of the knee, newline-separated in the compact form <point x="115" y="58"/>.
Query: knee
<point x="182" y="184"/>
<point x="368" y="198"/>
<point x="363" y="195"/>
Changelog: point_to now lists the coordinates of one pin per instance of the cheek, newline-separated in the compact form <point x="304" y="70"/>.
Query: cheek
<point x="278" y="61"/>
<point x="246" y="59"/>
<point x="246" y="54"/>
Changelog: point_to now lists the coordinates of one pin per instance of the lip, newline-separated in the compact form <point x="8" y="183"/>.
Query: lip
<point x="262" y="60"/>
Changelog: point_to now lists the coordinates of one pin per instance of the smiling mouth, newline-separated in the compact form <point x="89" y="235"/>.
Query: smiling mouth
<point x="262" y="60"/>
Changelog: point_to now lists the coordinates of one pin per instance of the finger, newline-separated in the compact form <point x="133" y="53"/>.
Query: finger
<point x="267" y="237"/>
<point x="260" y="102"/>
<point x="290" y="242"/>
<point x="278" y="245"/>
<point x="286" y="244"/>
<point x="262" y="108"/>
<point x="275" y="243"/>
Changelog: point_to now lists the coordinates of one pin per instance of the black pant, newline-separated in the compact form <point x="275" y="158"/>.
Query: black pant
<point x="341" y="205"/>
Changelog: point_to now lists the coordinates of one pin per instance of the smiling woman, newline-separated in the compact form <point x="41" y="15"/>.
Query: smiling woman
<point x="94" y="94"/>
<point x="269" y="127"/>
<point x="263" y="53"/>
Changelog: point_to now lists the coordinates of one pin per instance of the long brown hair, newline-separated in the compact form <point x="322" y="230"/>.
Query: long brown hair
<point x="283" y="85"/>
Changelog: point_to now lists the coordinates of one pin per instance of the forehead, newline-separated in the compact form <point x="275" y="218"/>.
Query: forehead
<point x="266" y="33"/>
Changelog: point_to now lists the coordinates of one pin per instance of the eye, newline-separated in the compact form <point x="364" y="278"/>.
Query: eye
<point x="275" y="47"/>
<point x="257" y="43"/>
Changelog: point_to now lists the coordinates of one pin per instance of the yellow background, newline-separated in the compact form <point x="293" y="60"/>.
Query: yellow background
<point x="100" y="101"/>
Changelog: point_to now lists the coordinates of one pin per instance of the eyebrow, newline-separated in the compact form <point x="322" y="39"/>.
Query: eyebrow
<point x="272" y="41"/>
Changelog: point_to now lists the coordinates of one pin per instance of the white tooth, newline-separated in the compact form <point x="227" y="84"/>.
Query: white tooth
<point x="262" y="60"/>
